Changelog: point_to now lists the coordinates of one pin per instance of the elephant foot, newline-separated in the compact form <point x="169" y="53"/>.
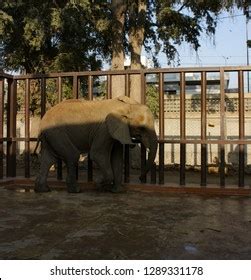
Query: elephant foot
<point x="74" y="188"/>
<point x="117" y="189"/>
<point x="39" y="188"/>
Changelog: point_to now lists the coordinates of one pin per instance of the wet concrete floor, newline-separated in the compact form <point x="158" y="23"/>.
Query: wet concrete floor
<point x="131" y="225"/>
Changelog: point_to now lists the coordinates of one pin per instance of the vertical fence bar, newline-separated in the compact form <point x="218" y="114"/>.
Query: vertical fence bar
<point x="143" y="87"/>
<point x="75" y="95"/>
<point x="27" y="128"/>
<point x="75" y="86"/>
<point x="109" y="87"/>
<point x="222" y="127"/>
<point x="11" y="128"/>
<point x="153" y="174"/>
<point x="90" y="87"/>
<point x="161" y="130"/>
<point x="203" y="181"/>
<point x="143" y="149"/>
<point x="43" y="96"/>
<point x="182" y="128"/>
<point x="59" y="88"/>
<point x="241" y="129"/>
<point x="90" y="96"/>
<point x="127" y="147"/>
<point x="127" y="85"/>
<point x="1" y="125"/>
<point x="59" y="161"/>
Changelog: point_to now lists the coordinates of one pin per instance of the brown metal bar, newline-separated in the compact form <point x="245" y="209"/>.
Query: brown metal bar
<point x="222" y="127"/>
<point x="1" y="125"/>
<point x="43" y="96"/>
<point x="213" y="142"/>
<point x="241" y="129"/>
<point x="161" y="107"/>
<point x="27" y="128"/>
<point x="143" y="88"/>
<point x="109" y="86"/>
<point x="153" y="174"/>
<point x="11" y="128"/>
<point x="203" y="181"/>
<point x="90" y="87"/>
<point x="59" y="88"/>
<point x="161" y="129"/>
<point x="75" y="87"/>
<point x="127" y="85"/>
<point x="182" y="129"/>
<point x="59" y="161"/>
<point x="188" y="141"/>
<point x="145" y="71"/>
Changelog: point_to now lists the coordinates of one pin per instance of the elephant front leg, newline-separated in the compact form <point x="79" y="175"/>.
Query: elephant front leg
<point x="71" y="181"/>
<point x="117" y="166"/>
<point x="102" y="159"/>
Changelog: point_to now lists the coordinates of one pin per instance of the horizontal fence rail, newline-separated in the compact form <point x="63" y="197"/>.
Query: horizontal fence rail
<point x="27" y="95"/>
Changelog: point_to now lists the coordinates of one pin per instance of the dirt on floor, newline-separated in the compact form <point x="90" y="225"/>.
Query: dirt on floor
<point x="130" y="225"/>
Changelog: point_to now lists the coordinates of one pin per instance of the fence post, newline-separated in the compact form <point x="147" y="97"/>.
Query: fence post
<point x="161" y="129"/>
<point x="27" y="128"/>
<point x="43" y="96"/>
<point x="59" y="161"/>
<point x="222" y="127"/>
<point x="1" y="124"/>
<point x="241" y="129"/>
<point x="182" y="128"/>
<point x="203" y="181"/>
<point x="11" y="128"/>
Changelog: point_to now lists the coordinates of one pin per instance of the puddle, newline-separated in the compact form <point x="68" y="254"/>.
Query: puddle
<point x="190" y="248"/>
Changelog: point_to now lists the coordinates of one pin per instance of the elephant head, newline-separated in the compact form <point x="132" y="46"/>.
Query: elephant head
<point x="135" y="122"/>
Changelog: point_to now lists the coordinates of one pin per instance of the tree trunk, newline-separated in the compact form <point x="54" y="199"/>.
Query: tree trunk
<point x="136" y="40"/>
<point x="118" y="55"/>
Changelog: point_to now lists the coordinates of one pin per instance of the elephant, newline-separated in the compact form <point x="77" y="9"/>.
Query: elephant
<point x="100" y="128"/>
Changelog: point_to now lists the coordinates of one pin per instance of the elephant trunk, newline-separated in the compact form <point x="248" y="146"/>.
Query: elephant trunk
<point x="152" y="144"/>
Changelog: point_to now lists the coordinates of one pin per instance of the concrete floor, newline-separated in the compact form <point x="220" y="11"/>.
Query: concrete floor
<point x="131" y="225"/>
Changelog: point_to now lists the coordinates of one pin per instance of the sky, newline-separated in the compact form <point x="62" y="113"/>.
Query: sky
<point x="227" y="47"/>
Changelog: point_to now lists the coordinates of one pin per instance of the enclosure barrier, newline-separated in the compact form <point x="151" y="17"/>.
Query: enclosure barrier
<point x="8" y="113"/>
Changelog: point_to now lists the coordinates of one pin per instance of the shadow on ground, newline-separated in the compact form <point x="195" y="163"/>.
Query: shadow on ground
<point x="131" y="225"/>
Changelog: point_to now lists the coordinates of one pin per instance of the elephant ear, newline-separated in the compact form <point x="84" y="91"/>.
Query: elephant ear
<point x="118" y="128"/>
<point x="127" y="100"/>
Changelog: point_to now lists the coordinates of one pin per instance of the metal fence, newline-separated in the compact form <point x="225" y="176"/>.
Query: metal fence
<point x="8" y="115"/>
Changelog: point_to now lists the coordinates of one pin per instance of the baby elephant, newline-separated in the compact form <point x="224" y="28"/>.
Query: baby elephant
<point x="99" y="128"/>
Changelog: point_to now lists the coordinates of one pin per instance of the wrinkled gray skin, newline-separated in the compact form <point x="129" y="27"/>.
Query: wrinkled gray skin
<point x="100" y="128"/>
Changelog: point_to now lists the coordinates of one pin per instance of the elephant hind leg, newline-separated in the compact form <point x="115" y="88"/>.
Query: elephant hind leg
<point x="47" y="160"/>
<point x="65" y="149"/>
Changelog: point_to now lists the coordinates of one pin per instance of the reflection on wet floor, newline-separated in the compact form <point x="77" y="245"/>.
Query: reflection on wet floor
<point x="131" y="225"/>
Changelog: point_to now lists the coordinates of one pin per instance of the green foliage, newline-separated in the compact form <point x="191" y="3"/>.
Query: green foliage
<point x="42" y="36"/>
<point x="74" y="35"/>
<point x="152" y="99"/>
